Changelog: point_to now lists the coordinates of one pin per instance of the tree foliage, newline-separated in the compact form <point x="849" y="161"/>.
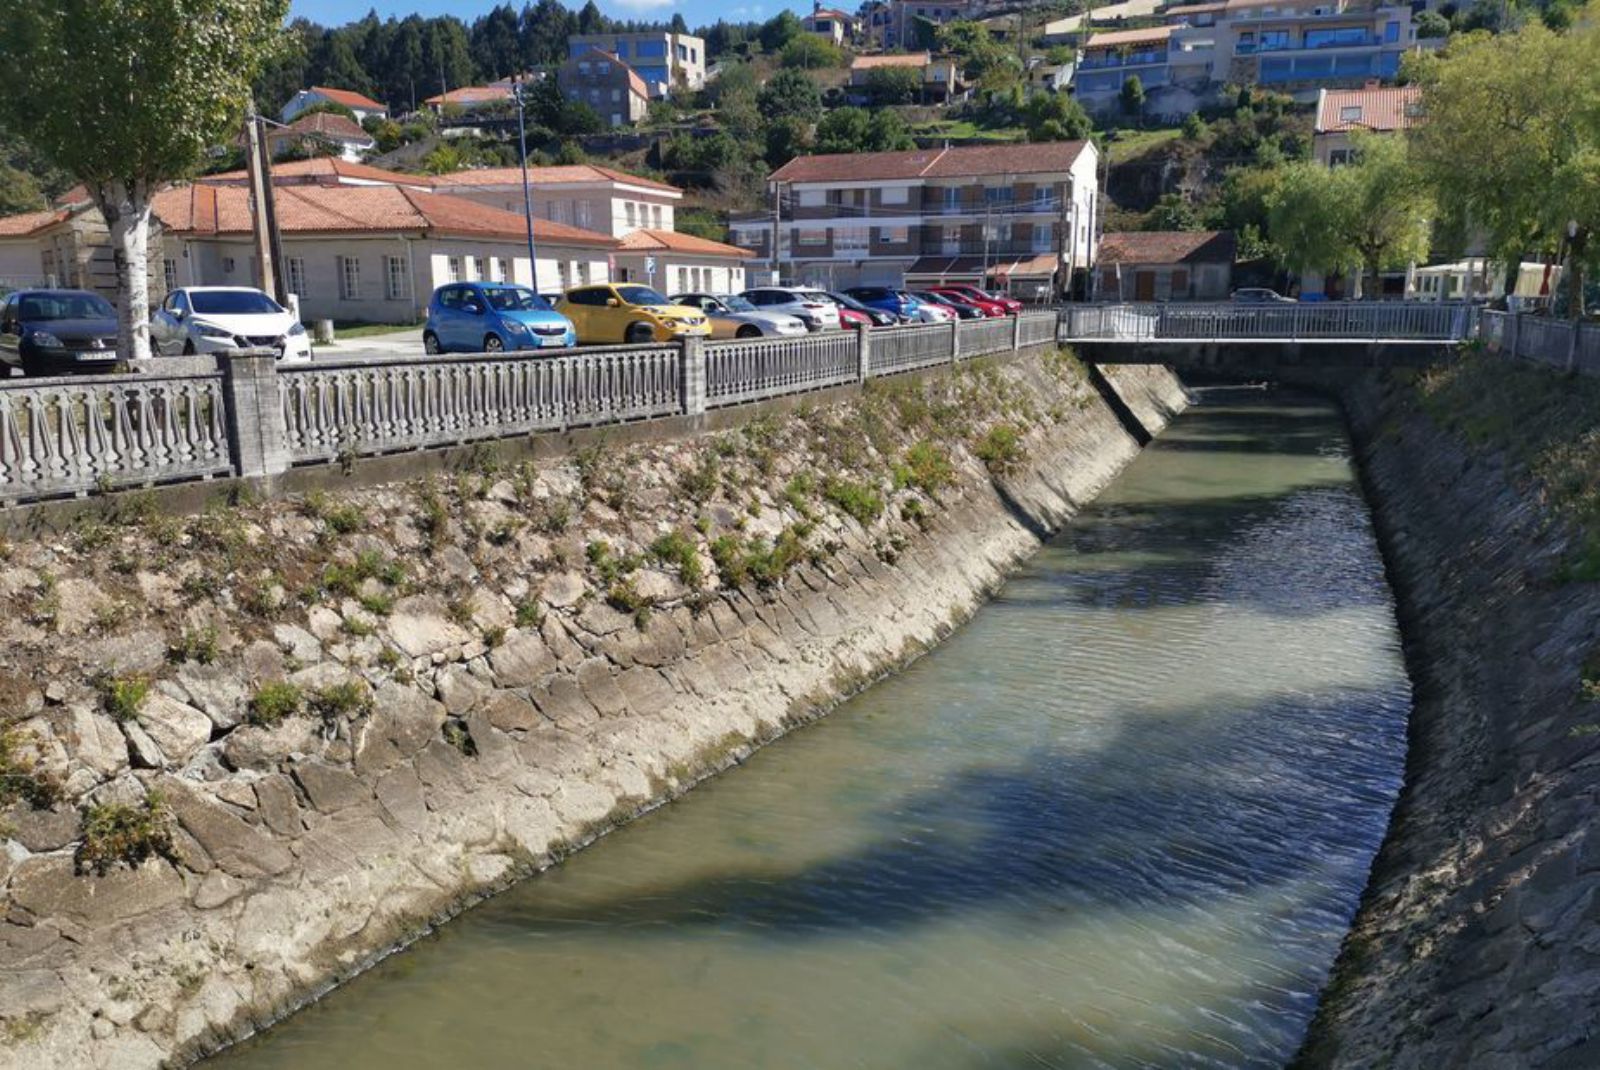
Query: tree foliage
<point x="859" y="130"/>
<point x="790" y="94"/>
<point x="779" y="30"/>
<point x="887" y="86"/>
<point x="810" y="52"/>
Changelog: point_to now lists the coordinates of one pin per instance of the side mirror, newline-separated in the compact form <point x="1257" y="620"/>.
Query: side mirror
<point x="612" y="302"/>
<point x="177" y="314"/>
<point x="472" y="308"/>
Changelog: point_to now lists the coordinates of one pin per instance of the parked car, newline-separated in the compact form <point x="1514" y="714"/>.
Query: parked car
<point x="878" y="316"/>
<point x="734" y="317"/>
<point x="883" y="299"/>
<point x="210" y="319"/>
<point x="1259" y="295"/>
<point x="926" y="311"/>
<point x="972" y="293"/>
<point x="810" y="306"/>
<point x="493" y="317"/>
<point x="608" y="313"/>
<point x="57" y="332"/>
<point x="963" y="309"/>
<point x="989" y="306"/>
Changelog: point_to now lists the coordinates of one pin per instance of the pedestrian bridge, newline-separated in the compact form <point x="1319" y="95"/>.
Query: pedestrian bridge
<point x="1224" y="335"/>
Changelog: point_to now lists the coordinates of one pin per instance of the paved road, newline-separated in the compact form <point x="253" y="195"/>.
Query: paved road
<point x="402" y="343"/>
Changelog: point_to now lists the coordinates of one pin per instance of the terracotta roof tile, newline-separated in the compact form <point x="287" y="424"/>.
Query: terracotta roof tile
<point x="910" y="59"/>
<point x="349" y="98"/>
<point x="471" y="94"/>
<point x="1167" y="247"/>
<point x="963" y="161"/>
<point x="1148" y="35"/>
<point x="26" y="223"/>
<point x="1375" y="108"/>
<point x="329" y="168"/>
<point x="649" y="240"/>
<point x="581" y="172"/>
<point x="326" y="124"/>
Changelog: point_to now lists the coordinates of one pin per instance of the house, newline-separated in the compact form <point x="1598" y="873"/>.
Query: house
<point x="366" y="253"/>
<point x="938" y="75"/>
<point x="830" y="24"/>
<point x="1297" y="47"/>
<point x="664" y="60"/>
<point x="469" y="98"/>
<point x="1020" y="215"/>
<point x="319" y="132"/>
<point x="676" y="263"/>
<point x="608" y="85"/>
<point x="1049" y="77"/>
<point x="325" y="171"/>
<point x="363" y="106"/>
<point x="20" y="263"/>
<point x="1376" y="108"/>
<point x="1165" y="265"/>
<point x="895" y="25"/>
<point x="589" y="196"/>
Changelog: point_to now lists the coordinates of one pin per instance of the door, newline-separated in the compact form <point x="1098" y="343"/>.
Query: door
<point x="447" y="318"/>
<point x="10" y="331"/>
<point x="472" y="320"/>
<point x="1144" y="286"/>
<point x="169" y="326"/>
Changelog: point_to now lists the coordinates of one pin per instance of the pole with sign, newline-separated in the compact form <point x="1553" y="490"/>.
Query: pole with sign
<point x="650" y="270"/>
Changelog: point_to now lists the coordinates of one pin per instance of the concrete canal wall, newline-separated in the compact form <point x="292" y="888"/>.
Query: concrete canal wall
<point x="256" y="748"/>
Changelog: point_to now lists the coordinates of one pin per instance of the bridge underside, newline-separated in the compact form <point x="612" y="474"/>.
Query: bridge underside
<point x="1267" y="354"/>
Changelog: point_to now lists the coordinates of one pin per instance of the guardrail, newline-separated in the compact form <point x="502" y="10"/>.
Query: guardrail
<point x="1310" y="321"/>
<point x="752" y="369"/>
<point x="1556" y="343"/>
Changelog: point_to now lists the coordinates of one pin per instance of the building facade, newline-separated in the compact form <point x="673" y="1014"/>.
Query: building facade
<point x="588" y="196"/>
<point x="320" y="133"/>
<point x="663" y="60"/>
<point x="1009" y="216"/>
<point x="894" y="25"/>
<point x="1165" y="265"/>
<point x="363" y="105"/>
<point x="605" y="83"/>
<point x="1297" y="47"/>
<point x="830" y="24"/>
<point x="937" y="75"/>
<point x="1374" y="108"/>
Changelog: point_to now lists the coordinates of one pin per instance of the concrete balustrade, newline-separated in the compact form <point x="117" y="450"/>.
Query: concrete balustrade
<point x="1568" y="345"/>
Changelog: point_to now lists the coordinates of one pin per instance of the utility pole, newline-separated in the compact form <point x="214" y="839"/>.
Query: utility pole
<point x="527" y="189"/>
<point x="262" y="215"/>
<point x="1069" y="235"/>
<point x="777" y="222"/>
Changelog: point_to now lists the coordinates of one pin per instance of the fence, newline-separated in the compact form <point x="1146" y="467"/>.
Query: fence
<point x="1565" y="344"/>
<point x="751" y="369"/>
<point x="1310" y="321"/>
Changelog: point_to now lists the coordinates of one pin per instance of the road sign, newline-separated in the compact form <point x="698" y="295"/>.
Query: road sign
<point x="650" y="266"/>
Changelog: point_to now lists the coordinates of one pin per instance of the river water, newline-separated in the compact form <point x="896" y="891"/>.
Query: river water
<point x="1120" y="819"/>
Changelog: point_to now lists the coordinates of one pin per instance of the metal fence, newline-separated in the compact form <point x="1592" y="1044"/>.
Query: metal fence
<point x="975" y="338"/>
<point x="751" y="369"/>
<point x="1555" y="343"/>
<point x="904" y="349"/>
<point x="1310" y="321"/>
<point x="1037" y="328"/>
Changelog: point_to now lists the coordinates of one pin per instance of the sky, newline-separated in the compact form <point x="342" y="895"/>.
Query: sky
<point x="695" y="12"/>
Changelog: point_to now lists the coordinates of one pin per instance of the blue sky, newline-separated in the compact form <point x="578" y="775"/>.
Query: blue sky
<point x="695" y="12"/>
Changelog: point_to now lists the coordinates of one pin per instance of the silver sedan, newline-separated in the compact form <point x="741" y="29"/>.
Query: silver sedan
<point x="735" y="317"/>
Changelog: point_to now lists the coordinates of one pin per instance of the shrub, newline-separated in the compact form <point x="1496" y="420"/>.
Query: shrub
<point x="1001" y="449"/>
<point x="198" y="645"/>
<point x="679" y="550"/>
<point x="338" y="702"/>
<point x="20" y="774"/>
<point x="274" y="701"/>
<point x="727" y="553"/>
<point x="926" y="467"/>
<point x="857" y="499"/>
<point x="123" y="695"/>
<point x="610" y="566"/>
<point x="118" y="832"/>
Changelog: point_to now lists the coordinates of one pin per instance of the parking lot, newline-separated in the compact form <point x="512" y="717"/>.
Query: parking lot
<point x="406" y="342"/>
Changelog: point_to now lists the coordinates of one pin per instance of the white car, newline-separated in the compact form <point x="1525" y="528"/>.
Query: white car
<point x="810" y="307"/>
<point x="928" y="312"/>
<point x="209" y="319"/>
<point x="734" y="317"/>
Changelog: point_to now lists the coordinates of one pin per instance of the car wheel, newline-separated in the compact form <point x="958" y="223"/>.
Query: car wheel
<point x="492" y="344"/>
<point x="639" y="334"/>
<point x="749" y="330"/>
<point x="430" y="343"/>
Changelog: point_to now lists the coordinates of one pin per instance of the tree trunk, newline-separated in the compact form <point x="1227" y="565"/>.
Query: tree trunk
<point x="126" y="209"/>
<point x="1575" y="250"/>
<point x="1513" y="274"/>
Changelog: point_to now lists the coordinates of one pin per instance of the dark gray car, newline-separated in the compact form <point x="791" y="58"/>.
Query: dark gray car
<point x="57" y="332"/>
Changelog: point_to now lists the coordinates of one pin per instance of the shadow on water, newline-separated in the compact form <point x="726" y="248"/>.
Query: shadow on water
<point x="1200" y="825"/>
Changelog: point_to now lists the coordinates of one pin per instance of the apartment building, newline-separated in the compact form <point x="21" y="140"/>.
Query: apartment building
<point x="616" y="92"/>
<point x="1017" y="216"/>
<point x="663" y="60"/>
<point x="1295" y="46"/>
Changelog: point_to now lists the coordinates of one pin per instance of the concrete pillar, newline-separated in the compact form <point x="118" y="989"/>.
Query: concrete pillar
<point x="254" y="412"/>
<point x="1016" y="332"/>
<point x="694" y="376"/>
<point x="1572" y="348"/>
<point x="863" y="351"/>
<point x="1513" y="334"/>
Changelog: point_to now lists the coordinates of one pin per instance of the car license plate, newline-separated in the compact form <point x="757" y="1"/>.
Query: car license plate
<point x="553" y="340"/>
<point x="97" y="354"/>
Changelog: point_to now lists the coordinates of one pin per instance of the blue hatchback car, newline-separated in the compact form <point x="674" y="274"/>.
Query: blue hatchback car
<point x="493" y="317"/>
<point x="900" y="305"/>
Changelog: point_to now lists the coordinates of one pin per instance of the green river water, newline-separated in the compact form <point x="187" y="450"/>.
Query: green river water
<point x="1120" y="819"/>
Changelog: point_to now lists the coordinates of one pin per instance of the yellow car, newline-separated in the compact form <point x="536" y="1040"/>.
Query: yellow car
<point x="630" y="313"/>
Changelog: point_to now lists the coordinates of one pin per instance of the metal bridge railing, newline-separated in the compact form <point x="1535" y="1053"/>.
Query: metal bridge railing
<point x="1409" y="321"/>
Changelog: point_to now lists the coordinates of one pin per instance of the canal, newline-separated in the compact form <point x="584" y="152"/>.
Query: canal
<point x="1120" y="819"/>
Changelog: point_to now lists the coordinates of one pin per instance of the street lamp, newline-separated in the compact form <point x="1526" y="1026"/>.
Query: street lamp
<point x="517" y="85"/>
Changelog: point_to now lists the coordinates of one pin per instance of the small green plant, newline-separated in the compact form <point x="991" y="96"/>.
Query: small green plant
<point x="342" y="701"/>
<point x="609" y="565"/>
<point x="593" y="463"/>
<point x="433" y="519"/>
<point x="116" y="833"/>
<point x="857" y="499"/>
<point x="273" y="701"/>
<point x="341" y="518"/>
<point x="556" y="516"/>
<point x="913" y="511"/>
<point x="21" y="776"/>
<point x="799" y="491"/>
<point x="530" y="614"/>
<point x="495" y="636"/>
<point x="700" y="483"/>
<point x="679" y="550"/>
<point x="201" y="586"/>
<point x="927" y="467"/>
<point x="459" y="736"/>
<point x="123" y="695"/>
<point x="198" y="645"/>
<point x="379" y="604"/>
<point x="460" y="610"/>
<point x="625" y="596"/>
<point x="357" y="627"/>
<point x="1001" y="449"/>
<point x="727" y="553"/>
<point x="1589" y="678"/>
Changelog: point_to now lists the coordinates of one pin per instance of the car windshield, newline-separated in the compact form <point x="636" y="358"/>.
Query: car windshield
<point x="233" y="303"/>
<point x="65" y="307"/>
<point x="516" y="299"/>
<point x="641" y="295"/>
<point x="737" y="304"/>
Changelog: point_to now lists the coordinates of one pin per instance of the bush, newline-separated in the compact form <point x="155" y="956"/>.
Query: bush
<point x="810" y="52"/>
<point x="1001" y="449"/>
<point x="926" y="467"/>
<point x="274" y="701"/>
<point x="857" y="499"/>
<point x="117" y="832"/>
<point x="679" y="550"/>
<point x="123" y="695"/>
<point x="338" y="702"/>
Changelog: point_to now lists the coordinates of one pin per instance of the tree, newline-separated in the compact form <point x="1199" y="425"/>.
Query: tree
<point x="1307" y="218"/>
<point x="790" y="94"/>
<point x="1132" y="96"/>
<point x="1055" y="117"/>
<point x="590" y="20"/>
<point x="1511" y="138"/>
<point x="887" y="132"/>
<point x="810" y="52"/>
<point x="786" y="139"/>
<point x="1194" y="127"/>
<point x="893" y="85"/>
<point x="982" y="59"/>
<point x="1174" y="212"/>
<point x="857" y="130"/>
<point x="128" y="96"/>
<point x="19" y="191"/>
<point x="1432" y="24"/>
<point x="779" y="31"/>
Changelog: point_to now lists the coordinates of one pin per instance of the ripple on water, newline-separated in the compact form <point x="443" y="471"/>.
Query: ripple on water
<point x="1121" y="819"/>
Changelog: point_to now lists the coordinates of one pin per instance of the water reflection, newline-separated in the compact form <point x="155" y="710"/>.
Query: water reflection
<point x="1119" y="820"/>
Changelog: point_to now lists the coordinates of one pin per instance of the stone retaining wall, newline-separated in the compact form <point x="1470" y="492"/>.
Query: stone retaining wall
<point x="520" y="693"/>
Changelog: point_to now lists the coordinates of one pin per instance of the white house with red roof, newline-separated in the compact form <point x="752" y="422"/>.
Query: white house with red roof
<point x="362" y="105"/>
<point x="1374" y="108"/>
<point x="590" y="196"/>
<point x="830" y="24"/>
<point x="322" y="132"/>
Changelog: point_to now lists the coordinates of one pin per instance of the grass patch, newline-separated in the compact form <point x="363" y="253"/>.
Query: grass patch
<point x="123" y="695"/>
<point x="274" y="701"/>
<point x="926" y="466"/>
<point x="343" y="329"/>
<point x="857" y="499"/>
<point x="117" y="833"/>
<point x="1001" y="449"/>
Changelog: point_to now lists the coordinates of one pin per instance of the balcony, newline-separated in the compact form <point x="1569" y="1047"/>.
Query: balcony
<point x="1256" y="48"/>
<point x="1092" y="62"/>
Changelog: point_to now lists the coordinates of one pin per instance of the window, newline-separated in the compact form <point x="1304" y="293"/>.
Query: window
<point x="952" y="198"/>
<point x="1391" y="32"/>
<point x="1350" y="113"/>
<point x="892" y="235"/>
<point x="583" y="271"/>
<point x="597" y="296"/>
<point x="396" y="279"/>
<point x="1042" y="195"/>
<point x="998" y="195"/>
<point x="622" y="50"/>
<point x="605" y="68"/>
<point x="813" y="198"/>
<point x="616" y="118"/>
<point x="453" y="269"/>
<point x="501" y="270"/>
<point x="683" y="279"/>
<point x="169" y="274"/>
<point x="1041" y="237"/>
<point x="811" y="237"/>
<point x="650" y="49"/>
<point x="583" y="68"/>
<point x="594" y="96"/>
<point x="616" y="96"/>
<point x="629" y="213"/>
<point x="349" y="278"/>
<point x="1338" y="157"/>
<point x="896" y="195"/>
<point x="297" y="275"/>
<point x="655" y="215"/>
<point x="227" y="265"/>
<point x="480" y="268"/>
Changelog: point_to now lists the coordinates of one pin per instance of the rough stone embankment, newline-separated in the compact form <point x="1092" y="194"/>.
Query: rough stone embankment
<point x="248" y="751"/>
<point x="1478" y="942"/>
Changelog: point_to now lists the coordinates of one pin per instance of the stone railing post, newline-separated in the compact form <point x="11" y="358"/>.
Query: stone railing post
<point x="1016" y="333"/>
<point x="1513" y="334"/>
<point x="955" y="342"/>
<point x="1572" y="347"/>
<point x="694" y="375"/>
<point x="254" y="412"/>
<point x="863" y="351"/>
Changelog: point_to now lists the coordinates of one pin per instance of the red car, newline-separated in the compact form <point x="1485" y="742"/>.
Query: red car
<point x="966" y="292"/>
<point x="850" y="318"/>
